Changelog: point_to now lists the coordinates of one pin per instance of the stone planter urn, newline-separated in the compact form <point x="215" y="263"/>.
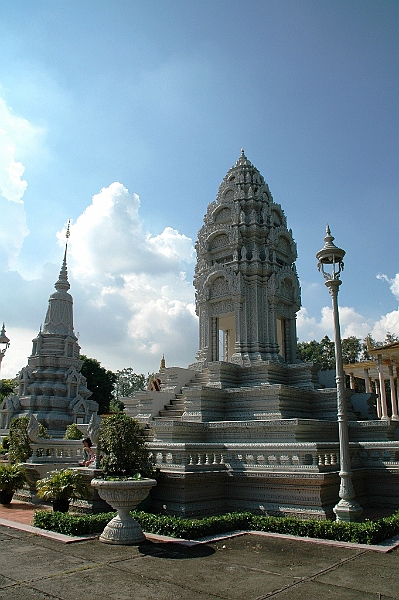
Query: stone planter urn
<point x="123" y="496"/>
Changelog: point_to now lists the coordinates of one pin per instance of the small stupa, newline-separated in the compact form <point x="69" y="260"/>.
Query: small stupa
<point x="51" y="386"/>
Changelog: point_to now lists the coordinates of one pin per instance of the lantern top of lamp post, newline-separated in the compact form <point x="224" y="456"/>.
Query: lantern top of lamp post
<point x="3" y="338"/>
<point x="330" y="254"/>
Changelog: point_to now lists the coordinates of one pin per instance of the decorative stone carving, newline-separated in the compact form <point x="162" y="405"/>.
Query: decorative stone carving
<point x="93" y="429"/>
<point x="51" y="386"/>
<point x="220" y="287"/>
<point x="33" y="429"/>
<point x="123" y="496"/>
<point x="260" y="236"/>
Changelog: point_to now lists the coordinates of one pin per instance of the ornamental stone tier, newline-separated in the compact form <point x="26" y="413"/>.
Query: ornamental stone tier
<point x="51" y="386"/>
<point x="247" y="426"/>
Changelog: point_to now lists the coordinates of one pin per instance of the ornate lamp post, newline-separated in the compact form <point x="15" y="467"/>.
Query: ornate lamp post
<point x="5" y="342"/>
<point x="347" y="508"/>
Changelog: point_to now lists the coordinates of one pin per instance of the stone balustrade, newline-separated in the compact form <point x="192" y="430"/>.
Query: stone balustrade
<point x="57" y="451"/>
<point x="235" y="456"/>
<point x="258" y="457"/>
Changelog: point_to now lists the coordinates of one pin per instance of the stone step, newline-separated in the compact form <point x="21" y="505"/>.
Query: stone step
<point x="172" y="406"/>
<point x="171" y="413"/>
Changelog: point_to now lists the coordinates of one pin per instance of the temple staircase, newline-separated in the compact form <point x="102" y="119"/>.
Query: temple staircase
<point x="175" y="409"/>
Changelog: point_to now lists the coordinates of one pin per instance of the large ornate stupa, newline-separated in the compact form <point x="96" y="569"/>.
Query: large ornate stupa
<point x="51" y="386"/>
<point x="247" y="426"/>
<point x="245" y="279"/>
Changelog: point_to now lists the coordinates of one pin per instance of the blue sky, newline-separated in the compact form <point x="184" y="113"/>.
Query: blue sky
<point x="125" y="116"/>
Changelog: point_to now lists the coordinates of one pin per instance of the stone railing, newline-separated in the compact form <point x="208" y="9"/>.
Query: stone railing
<point x="64" y="452"/>
<point x="188" y="457"/>
<point x="191" y="456"/>
<point x="268" y="457"/>
<point x="379" y="454"/>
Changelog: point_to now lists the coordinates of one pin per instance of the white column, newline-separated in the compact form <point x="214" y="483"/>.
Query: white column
<point x="377" y="391"/>
<point x="352" y="381"/>
<point x="393" y="394"/>
<point x="383" y="396"/>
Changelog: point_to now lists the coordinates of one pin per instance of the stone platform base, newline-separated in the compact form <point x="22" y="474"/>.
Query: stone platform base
<point x="307" y="495"/>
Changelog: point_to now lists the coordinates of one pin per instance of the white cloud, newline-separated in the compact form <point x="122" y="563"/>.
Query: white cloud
<point x="173" y="245"/>
<point x="351" y="323"/>
<point x="16" y="355"/>
<point x="388" y="322"/>
<point x="18" y="138"/>
<point x="393" y="283"/>
<point x="13" y="230"/>
<point x="131" y="285"/>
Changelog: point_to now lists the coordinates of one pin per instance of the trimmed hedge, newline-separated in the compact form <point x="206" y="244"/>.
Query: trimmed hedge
<point x="367" y="532"/>
<point x="70" y="524"/>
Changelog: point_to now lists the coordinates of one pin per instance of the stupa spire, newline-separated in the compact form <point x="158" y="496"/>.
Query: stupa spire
<point x="63" y="283"/>
<point x="59" y="317"/>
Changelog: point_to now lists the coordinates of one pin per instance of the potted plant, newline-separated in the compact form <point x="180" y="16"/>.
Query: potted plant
<point x="60" y="487"/>
<point x="12" y="477"/>
<point x="126" y="479"/>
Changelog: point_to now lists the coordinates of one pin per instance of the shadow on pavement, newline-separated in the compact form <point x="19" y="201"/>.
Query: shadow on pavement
<point x="176" y="551"/>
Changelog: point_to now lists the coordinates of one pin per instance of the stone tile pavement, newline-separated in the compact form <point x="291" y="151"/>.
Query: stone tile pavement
<point x="244" y="567"/>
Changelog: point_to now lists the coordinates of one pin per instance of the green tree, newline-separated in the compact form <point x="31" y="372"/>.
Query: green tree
<point x="351" y="349"/>
<point x="391" y="338"/>
<point x="370" y="342"/>
<point x="7" y="387"/>
<point x="322" y="353"/>
<point x="19" y="441"/>
<point x="99" y="381"/>
<point x="310" y="351"/>
<point x="328" y="353"/>
<point x="128" y="382"/>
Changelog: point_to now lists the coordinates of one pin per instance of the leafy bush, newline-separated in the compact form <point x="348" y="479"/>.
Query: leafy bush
<point x="116" y="406"/>
<point x="367" y="532"/>
<point x="61" y="485"/>
<point x="12" y="478"/>
<point x="20" y="449"/>
<point x="5" y="443"/>
<point x="73" y="432"/>
<point x="123" y="450"/>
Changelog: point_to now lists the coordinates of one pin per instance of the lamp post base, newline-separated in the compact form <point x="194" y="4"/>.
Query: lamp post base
<point x="347" y="510"/>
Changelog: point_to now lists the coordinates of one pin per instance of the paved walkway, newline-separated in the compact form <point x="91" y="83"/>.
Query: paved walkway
<point x="245" y="567"/>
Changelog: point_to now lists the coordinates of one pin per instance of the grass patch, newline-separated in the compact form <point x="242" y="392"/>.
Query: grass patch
<point x="367" y="532"/>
